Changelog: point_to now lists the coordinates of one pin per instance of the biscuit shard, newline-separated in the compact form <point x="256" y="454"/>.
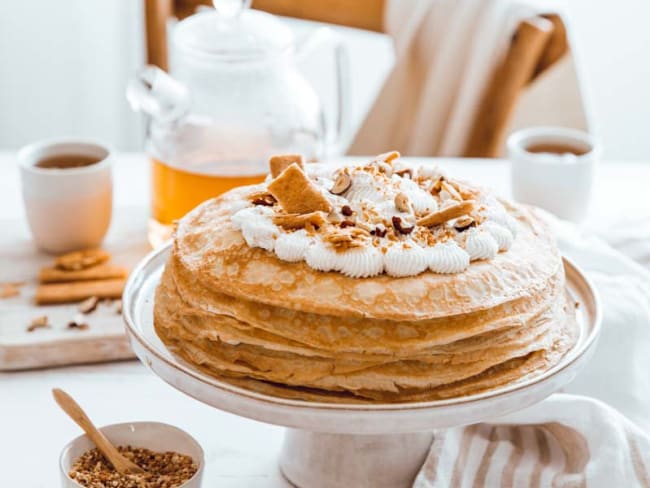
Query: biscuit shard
<point x="451" y="212"/>
<point x="280" y="162"/>
<point x="296" y="193"/>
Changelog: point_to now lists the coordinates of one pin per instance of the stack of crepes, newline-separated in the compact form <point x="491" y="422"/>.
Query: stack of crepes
<point x="264" y="293"/>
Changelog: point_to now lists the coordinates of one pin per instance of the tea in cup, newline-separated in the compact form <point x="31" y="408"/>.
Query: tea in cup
<point x="67" y="192"/>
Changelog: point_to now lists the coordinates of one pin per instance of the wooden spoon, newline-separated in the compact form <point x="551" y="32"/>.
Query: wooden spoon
<point x="121" y="464"/>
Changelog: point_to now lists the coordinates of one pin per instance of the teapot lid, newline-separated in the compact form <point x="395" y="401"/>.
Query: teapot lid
<point x="233" y="32"/>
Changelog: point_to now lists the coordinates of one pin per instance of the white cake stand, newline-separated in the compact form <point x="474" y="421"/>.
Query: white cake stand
<point x="336" y="445"/>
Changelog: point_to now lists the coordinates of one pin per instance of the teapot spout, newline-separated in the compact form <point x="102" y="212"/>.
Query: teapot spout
<point x="158" y="95"/>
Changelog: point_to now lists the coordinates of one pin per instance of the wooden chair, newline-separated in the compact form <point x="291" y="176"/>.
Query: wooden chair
<point x="537" y="44"/>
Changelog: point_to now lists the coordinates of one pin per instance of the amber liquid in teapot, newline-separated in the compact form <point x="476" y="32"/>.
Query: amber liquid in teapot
<point x="175" y="191"/>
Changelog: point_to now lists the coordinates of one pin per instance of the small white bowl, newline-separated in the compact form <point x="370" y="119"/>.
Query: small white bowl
<point x="150" y="435"/>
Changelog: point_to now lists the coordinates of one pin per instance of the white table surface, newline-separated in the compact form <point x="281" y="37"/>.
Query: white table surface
<point x="239" y="452"/>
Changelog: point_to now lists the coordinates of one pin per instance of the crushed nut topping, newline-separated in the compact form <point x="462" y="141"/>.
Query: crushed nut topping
<point x="162" y="469"/>
<point x="464" y="223"/>
<point x="437" y="186"/>
<point x="346" y="210"/>
<point x="404" y="173"/>
<point x="397" y="223"/>
<point x="299" y="221"/>
<point x="402" y="203"/>
<point x="342" y="183"/>
<point x="263" y="198"/>
<point x="347" y="223"/>
<point x="446" y="214"/>
<point x="389" y="156"/>
<point x="451" y="190"/>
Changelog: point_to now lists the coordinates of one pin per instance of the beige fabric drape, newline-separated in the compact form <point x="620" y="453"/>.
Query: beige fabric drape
<point x="565" y="441"/>
<point x="446" y="51"/>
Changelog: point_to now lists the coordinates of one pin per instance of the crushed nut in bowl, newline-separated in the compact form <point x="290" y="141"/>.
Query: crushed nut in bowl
<point x="170" y="457"/>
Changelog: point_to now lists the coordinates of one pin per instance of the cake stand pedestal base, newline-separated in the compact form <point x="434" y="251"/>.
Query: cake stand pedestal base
<point x="320" y="460"/>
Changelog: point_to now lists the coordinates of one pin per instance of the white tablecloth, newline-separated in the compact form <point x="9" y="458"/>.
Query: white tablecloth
<point x="239" y="452"/>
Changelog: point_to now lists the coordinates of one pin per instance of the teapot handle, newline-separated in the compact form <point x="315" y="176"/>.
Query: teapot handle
<point x="158" y="95"/>
<point x="337" y="135"/>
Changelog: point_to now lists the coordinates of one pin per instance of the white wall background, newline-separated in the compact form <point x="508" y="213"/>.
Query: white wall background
<point x="64" y="66"/>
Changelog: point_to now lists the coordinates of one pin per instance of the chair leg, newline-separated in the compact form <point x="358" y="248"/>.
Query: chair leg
<point x="156" y="13"/>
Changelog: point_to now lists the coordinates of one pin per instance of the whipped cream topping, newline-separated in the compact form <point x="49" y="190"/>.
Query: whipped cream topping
<point x="373" y="226"/>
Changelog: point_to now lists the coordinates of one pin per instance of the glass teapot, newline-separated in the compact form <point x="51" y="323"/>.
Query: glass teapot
<point x="234" y="96"/>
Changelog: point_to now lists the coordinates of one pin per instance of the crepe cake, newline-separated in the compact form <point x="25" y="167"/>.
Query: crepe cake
<point x="385" y="281"/>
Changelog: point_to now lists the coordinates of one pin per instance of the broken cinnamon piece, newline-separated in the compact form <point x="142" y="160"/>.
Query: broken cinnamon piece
<point x="77" y="260"/>
<point x="77" y="291"/>
<point x="41" y="322"/>
<point x="99" y="272"/>
<point x="296" y="193"/>
<point x="298" y="221"/>
<point x="446" y="214"/>
<point x="88" y="305"/>
<point x="279" y="163"/>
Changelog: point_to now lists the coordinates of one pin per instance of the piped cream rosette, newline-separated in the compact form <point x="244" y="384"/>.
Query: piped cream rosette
<point x="384" y="205"/>
<point x="385" y="281"/>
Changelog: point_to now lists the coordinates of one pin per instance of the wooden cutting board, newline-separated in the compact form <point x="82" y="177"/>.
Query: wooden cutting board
<point x="59" y="345"/>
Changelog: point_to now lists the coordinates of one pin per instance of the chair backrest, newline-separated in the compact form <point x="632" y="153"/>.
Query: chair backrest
<point x="537" y="44"/>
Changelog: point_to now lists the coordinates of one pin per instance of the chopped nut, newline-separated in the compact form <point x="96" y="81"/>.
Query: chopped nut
<point x="446" y="214"/>
<point x="279" y="163"/>
<point x="76" y="260"/>
<point x="161" y="469"/>
<point x="78" y="322"/>
<point x="464" y="223"/>
<point x="296" y="193"/>
<point x="397" y="223"/>
<point x="347" y="223"/>
<point x="347" y="238"/>
<point x="388" y="156"/>
<point x="262" y="198"/>
<point x="346" y="210"/>
<point x="342" y="183"/>
<point x="298" y="221"/>
<point x="88" y="305"/>
<point x="402" y="203"/>
<point x="451" y="190"/>
<point x="404" y="172"/>
<point x="41" y="322"/>
<point x="437" y="186"/>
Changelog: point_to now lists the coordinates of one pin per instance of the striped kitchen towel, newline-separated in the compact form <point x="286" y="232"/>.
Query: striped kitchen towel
<point x="564" y="441"/>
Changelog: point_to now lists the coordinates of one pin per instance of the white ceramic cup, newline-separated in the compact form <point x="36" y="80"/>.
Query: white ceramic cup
<point x="150" y="435"/>
<point x="559" y="183"/>
<point x="67" y="208"/>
